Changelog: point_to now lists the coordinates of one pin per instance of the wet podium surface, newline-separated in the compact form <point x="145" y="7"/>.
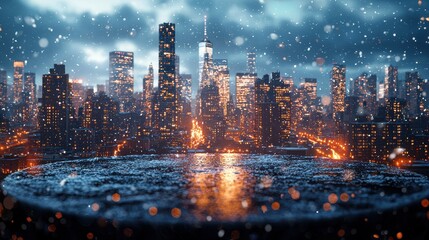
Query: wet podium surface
<point x="218" y="196"/>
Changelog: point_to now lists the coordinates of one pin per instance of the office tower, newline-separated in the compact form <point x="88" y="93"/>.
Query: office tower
<point x="251" y="62"/>
<point x="205" y="58"/>
<point x="121" y="78"/>
<point x="244" y="87"/>
<point x="3" y="91"/>
<point x="18" y="81"/>
<point x="338" y="88"/>
<point x="282" y="97"/>
<point x="221" y="79"/>
<point x="310" y="92"/>
<point x="272" y="111"/>
<point x="213" y="122"/>
<point x="414" y="94"/>
<point x="391" y="83"/>
<point x="365" y="89"/>
<point x="55" y="110"/>
<point x="168" y="117"/>
<point x="186" y="102"/>
<point x="77" y="94"/>
<point x="148" y="95"/>
<point x="29" y="101"/>
<point x="395" y="109"/>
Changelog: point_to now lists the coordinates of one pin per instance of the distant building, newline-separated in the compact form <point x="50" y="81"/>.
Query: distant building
<point x="121" y="78"/>
<point x="205" y="57"/>
<point x="29" y="113"/>
<point x="364" y="87"/>
<point x="213" y="123"/>
<point x="245" y="100"/>
<point x="414" y="94"/>
<point x="148" y="96"/>
<point x="3" y="91"/>
<point x="338" y="94"/>
<point x="251" y="62"/>
<point x="391" y="83"/>
<point x="221" y="79"/>
<point x="18" y="81"/>
<point x="56" y="107"/>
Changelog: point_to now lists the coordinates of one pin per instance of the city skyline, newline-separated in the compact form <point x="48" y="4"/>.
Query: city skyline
<point x="378" y="42"/>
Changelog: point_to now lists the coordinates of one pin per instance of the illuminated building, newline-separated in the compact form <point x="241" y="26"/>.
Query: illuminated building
<point x="414" y="94"/>
<point x="121" y="78"/>
<point x="186" y="94"/>
<point x="29" y="110"/>
<point x="391" y="83"/>
<point x="363" y="140"/>
<point x="3" y="102"/>
<point x="395" y="109"/>
<point x="244" y="87"/>
<point x="82" y="142"/>
<point x="18" y="81"/>
<point x="3" y="91"/>
<point x="338" y="88"/>
<point x="100" y="113"/>
<point x="213" y="122"/>
<point x="167" y="99"/>
<point x="380" y="94"/>
<point x="310" y="91"/>
<point x="56" y="106"/>
<point x="365" y="89"/>
<point x="148" y="95"/>
<point x="272" y="111"/>
<point x="77" y="93"/>
<point x="205" y="57"/>
<point x="251" y="62"/>
<point x="221" y="79"/>
<point x="281" y="90"/>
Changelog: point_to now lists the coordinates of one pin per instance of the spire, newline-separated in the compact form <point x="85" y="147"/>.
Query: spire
<point x="205" y="28"/>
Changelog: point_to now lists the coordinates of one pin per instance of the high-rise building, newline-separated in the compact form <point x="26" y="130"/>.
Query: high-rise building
<point x="391" y="83"/>
<point x="221" y="79"/>
<point x="414" y="94"/>
<point x="148" y="96"/>
<point x="121" y="78"/>
<point x="272" y="111"/>
<point x="18" y="81"/>
<point x="205" y="58"/>
<point x="310" y="92"/>
<point x="29" y="109"/>
<point x="101" y="88"/>
<point x="167" y="100"/>
<point x="251" y="62"/>
<point x="213" y="122"/>
<point x="245" y="100"/>
<point x="77" y="94"/>
<point x="3" y="90"/>
<point x="338" y="88"/>
<point x="365" y="89"/>
<point x="55" y="110"/>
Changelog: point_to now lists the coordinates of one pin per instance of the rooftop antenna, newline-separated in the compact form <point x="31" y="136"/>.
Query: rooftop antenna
<point x="205" y="27"/>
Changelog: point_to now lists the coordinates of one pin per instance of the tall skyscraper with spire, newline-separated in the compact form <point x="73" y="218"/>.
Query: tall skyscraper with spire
<point x="205" y="58"/>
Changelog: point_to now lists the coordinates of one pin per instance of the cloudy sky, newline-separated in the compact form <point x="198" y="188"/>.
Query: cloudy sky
<point x="299" y="38"/>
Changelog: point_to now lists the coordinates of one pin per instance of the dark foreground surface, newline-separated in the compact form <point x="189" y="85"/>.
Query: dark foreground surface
<point x="222" y="196"/>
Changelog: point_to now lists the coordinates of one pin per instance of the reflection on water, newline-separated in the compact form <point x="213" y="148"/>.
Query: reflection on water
<point x="219" y="188"/>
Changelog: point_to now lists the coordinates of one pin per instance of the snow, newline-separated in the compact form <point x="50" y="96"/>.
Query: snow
<point x="215" y="188"/>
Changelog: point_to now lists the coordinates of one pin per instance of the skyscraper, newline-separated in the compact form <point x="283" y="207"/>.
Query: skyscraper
<point x="251" y="62"/>
<point x="205" y="57"/>
<point x="365" y="89"/>
<point x="56" y="105"/>
<point x="29" y="99"/>
<point x="168" y="117"/>
<point x="245" y="101"/>
<point x="338" y="89"/>
<point x="3" y="90"/>
<point x="221" y="79"/>
<point x="391" y="83"/>
<point x="414" y="94"/>
<point x="18" y="81"/>
<point x="148" y="95"/>
<point x="213" y="122"/>
<point x="121" y="78"/>
<point x="186" y="80"/>
<point x="77" y="94"/>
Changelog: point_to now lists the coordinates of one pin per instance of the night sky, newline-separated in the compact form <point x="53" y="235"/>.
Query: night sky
<point x="299" y="38"/>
